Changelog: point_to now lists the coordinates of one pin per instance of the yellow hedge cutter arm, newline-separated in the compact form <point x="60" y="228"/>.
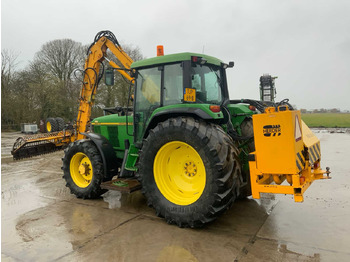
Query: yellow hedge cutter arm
<point x="27" y="146"/>
<point x="97" y="53"/>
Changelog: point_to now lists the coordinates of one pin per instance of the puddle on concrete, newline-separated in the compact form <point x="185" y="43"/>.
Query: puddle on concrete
<point x="269" y="250"/>
<point x="174" y="253"/>
<point x="295" y="251"/>
<point x="53" y="231"/>
<point x="145" y="239"/>
<point x="131" y="203"/>
<point x="267" y="201"/>
<point x="311" y="224"/>
<point x="19" y="199"/>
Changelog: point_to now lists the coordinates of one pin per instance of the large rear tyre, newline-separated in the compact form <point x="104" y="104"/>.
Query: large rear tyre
<point x="83" y="169"/>
<point x="60" y="123"/>
<point x="51" y="125"/>
<point x="188" y="170"/>
<point x="247" y="131"/>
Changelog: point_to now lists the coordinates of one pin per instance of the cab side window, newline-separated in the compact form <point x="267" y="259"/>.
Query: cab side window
<point x="173" y="84"/>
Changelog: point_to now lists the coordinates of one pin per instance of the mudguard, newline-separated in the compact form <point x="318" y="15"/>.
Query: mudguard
<point x="175" y="112"/>
<point x="109" y="158"/>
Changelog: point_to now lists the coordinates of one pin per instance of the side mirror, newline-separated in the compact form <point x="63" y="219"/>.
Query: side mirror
<point x="230" y="64"/>
<point x="109" y="77"/>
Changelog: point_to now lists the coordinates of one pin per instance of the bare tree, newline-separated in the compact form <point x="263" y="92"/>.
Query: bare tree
<point x="60" y="57"/>
<point x="48" y="88"/>
<point x="8" y="70"/>
<point x="122" y="86"/>
<point x="56" y="61"/>
<point x="8" y="67"/>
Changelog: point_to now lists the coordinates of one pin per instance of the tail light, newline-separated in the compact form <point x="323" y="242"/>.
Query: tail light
<point x="197" y="59"/>
<point x="215" y="108"/>
<point x="252" y="108"/>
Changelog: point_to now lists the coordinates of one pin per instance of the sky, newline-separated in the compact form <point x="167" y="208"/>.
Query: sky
<point x="305" y="43"/>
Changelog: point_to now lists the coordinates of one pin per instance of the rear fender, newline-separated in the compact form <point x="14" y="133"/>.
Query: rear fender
<point x="109" y="158"/>
<point x="176" y="112"/>
<point x="239" y="113"/>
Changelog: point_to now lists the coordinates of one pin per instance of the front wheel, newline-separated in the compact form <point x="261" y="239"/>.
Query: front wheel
<point x="188" y="170"/>
<point x="83" y="169"/>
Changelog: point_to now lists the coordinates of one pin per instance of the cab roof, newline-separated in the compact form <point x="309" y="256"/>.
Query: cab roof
<point x="173" y="58"/>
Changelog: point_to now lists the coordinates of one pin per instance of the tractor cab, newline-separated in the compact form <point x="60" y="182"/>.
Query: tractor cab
<point x="177" y="84"/>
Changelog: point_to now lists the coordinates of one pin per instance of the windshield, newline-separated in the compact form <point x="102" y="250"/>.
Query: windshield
<point x="207" y="82"/>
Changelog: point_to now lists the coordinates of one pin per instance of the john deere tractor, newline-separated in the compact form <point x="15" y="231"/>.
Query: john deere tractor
<point x="176" y="142"/>
<point x="183" y="142"/>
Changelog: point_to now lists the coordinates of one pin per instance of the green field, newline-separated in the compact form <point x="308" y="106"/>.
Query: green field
<point x="326" y="119"/>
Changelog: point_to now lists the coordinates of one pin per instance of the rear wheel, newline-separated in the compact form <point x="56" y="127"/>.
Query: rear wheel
<point x="83" y="169"/>
<point x="186" y="180"/>
<point x="51" y="125"/>
<point x="188" y="170"/>
<point x="247" y="131"/>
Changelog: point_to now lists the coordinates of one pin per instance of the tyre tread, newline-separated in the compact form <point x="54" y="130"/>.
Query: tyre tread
<point x="224" y="165"/>
<point x="93" y="190"/>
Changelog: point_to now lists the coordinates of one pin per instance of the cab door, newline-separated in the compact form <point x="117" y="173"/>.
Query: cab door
<point x="147" y="99"/>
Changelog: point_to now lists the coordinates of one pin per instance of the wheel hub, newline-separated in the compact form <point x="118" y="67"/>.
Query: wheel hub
<point x="84" y="169"/>
<point x="190" y="169"/>
<point x="179" y="173"/>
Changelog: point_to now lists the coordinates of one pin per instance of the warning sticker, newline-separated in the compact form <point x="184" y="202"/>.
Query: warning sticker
<point x="190" y="95"/>
<point x="297" y="133"/>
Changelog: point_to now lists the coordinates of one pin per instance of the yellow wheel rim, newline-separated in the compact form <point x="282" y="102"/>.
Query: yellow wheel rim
<point x="81" y="169"/>
<point x="179" y="173"/>
<point x="48" y="127"/>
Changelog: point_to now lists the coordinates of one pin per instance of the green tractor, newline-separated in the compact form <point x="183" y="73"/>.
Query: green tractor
<point x="184" y="141"/>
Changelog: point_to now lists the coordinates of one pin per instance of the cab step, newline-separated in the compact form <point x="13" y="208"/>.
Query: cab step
<point x="124" y="185"/>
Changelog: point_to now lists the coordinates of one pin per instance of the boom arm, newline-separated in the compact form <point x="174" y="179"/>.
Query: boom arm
<point x="28" y="146"/>
<point x="97" y="53"/>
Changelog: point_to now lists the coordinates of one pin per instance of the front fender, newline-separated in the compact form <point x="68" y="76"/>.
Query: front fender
<point x="109" y="158"/>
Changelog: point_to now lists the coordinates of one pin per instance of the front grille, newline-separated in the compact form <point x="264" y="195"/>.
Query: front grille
<point x="113" y="135"/>
<point x="97" y="129"/>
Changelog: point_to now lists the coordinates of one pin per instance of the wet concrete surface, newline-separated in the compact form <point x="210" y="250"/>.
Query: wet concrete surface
<point x="42" y="221"/>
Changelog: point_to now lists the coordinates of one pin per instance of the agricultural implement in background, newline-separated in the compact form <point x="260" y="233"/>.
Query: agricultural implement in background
<point x="39" y="144"/>
<point x="189" y="148"/>
<point x="55" y="135"/>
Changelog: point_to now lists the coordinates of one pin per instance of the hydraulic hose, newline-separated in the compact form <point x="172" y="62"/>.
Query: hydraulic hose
<point x="261" y="105"/>
<point x="230" y="129"/>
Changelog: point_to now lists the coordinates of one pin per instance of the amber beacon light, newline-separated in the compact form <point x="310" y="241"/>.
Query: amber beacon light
<point x="160" y="50"/>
